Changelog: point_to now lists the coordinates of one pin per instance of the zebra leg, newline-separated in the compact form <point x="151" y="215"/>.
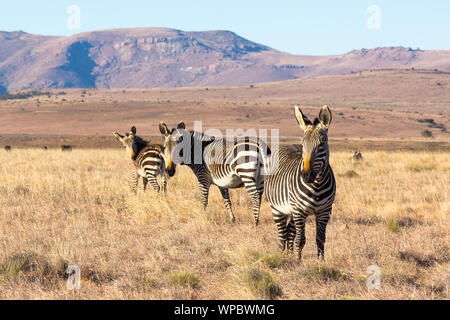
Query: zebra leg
<point x="164" y="182"/>
<point x="280" y="220"/>
<point x="300" y="238"/>
<point x="255" y="197"/>
<point x="144" y="182"/>
<point x="291" y="235"/>
<point x="153" y="182"/>
<point x="204" y="192"/>
<point x="260" y="188"/>
<point x="134" y="181"/>
<point x="227" y="202"/>
<point x="321" y="227"/>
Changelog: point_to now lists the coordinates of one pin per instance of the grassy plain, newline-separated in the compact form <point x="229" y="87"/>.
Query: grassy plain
<point x="76" y="208"/>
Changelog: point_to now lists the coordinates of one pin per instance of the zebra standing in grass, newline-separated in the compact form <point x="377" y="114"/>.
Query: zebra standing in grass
<point x="228" y="164"/>
<point x="303" y="184"/>
<point x="148" y="160"/>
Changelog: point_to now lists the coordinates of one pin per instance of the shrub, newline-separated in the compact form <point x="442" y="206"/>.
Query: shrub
<point x="23" y="95"/>
<point x="427" y="133"/>
<point x="432" y="124"/>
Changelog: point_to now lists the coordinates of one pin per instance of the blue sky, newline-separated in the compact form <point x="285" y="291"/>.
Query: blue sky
<point x="295" y="26"/>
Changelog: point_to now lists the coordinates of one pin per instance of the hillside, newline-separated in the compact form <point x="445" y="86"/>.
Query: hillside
<point x="160" y="57"/>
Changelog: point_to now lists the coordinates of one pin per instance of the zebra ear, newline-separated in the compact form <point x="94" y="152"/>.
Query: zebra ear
<point x="302" y="120"/>
<point x="163" y="129"/>
<point x="133" y="130"/>
<point x="118" y="136"/>
<point x="181" y="125"/>
<point x="325" y="117"/>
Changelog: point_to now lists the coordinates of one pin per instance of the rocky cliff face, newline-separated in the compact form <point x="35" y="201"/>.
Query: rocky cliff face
<point x="159" y="57"/>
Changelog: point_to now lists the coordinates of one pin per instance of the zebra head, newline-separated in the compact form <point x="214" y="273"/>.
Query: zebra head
<point x="130" y="141"/>
<point x="315" y="152"/>
<point x="171" y="139"/>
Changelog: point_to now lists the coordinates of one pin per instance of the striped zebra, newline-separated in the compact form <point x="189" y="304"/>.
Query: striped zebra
<point x="303" y="184"/>
<point x="228" y="164"/>
<point x="148" y="160"/>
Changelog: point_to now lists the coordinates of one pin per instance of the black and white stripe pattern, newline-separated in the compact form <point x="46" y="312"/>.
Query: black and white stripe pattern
<point x="302" y="185"/>
<point x="148" y="160"/>
<point x="228" y="164"/>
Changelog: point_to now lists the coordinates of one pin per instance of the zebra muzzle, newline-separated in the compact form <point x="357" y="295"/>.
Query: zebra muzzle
<point x="169" y="164"/>
<point x="309" y="176"/>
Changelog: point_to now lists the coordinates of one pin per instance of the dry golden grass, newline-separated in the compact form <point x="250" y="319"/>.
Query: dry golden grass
<point x="76" y="208"/>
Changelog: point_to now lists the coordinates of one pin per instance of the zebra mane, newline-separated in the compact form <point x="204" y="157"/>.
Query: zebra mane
<point x="202" y="137"/>
<point x="293" y="151"/>
<point x="156" y="147"/>
<point x="140" y="143"/>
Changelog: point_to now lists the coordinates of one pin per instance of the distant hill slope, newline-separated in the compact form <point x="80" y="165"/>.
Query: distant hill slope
<point x="159" y="57"/>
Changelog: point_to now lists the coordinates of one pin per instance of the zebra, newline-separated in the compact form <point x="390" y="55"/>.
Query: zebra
<point x="148" y="160"/>
<point x="356" y="157"/>
<point x="303" y="184"/>
<point x="228" y="164"/>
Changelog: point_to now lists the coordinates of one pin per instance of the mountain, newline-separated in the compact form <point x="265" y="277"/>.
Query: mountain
<point x="160" y="57"/>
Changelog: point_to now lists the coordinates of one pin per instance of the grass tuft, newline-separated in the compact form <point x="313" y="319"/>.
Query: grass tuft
<point x="184" y="279"/>
<point x="21" y="190"/>
<point x="262" y="284"/>
<point x="31" y="267"/>
<point x="393" y="225"/>
<point x="271" y="260"/>
<point x="416" y="166"/>
<point x="150" y="283"/>
<point x="347" y="298"/>
<point x="322" y="272"/>
<point x="350" y="174"/>
<point x="399" y="278"/>
<point x="419" y="260"/>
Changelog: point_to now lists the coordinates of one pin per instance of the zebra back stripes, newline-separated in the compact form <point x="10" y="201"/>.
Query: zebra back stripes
<point x="148" y="160"/>
<point x="302" y="185"/>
